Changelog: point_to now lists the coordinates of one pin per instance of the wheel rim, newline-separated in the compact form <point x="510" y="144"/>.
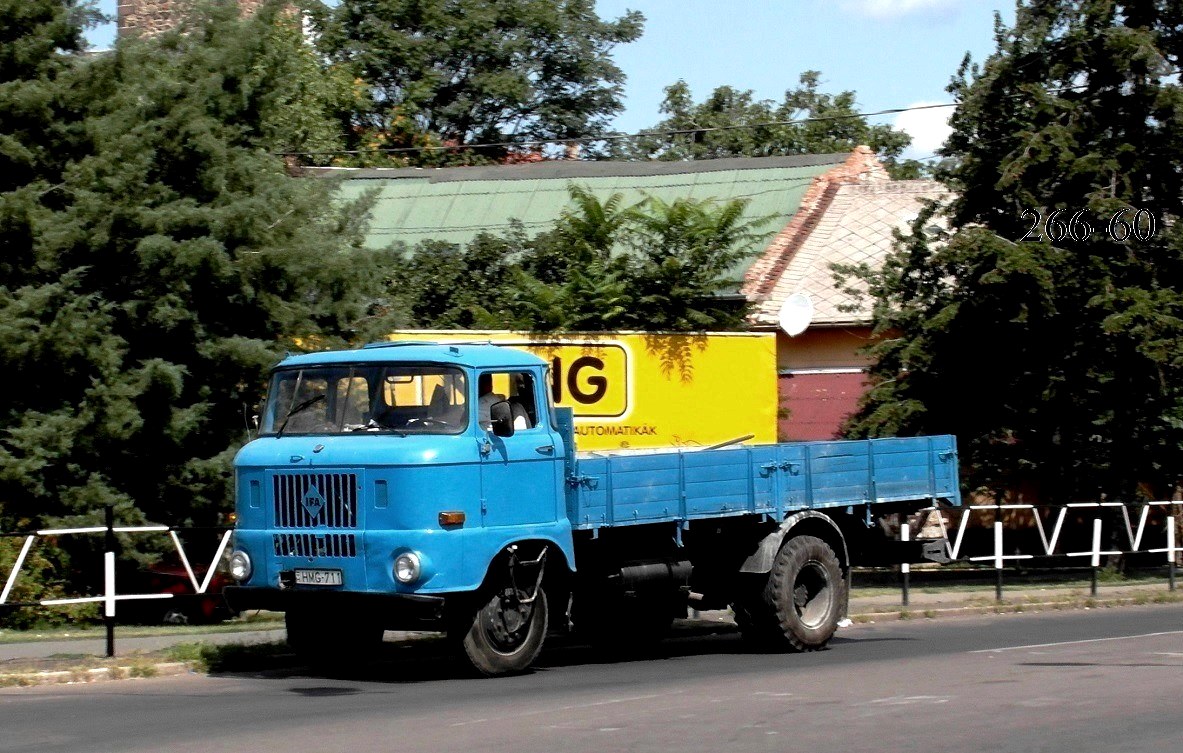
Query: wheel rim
<point x="506" y="622"/>
<point x="812" y="595"/>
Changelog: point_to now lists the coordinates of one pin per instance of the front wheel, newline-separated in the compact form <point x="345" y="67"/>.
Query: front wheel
<point x="506" y="635"/>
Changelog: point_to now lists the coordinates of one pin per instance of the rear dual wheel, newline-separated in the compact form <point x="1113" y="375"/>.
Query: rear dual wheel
<point x="800" y="604"/>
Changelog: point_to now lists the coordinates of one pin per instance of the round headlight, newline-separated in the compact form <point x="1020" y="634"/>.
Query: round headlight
<point x="240" y="565"/>
<point x="406" y="567"/>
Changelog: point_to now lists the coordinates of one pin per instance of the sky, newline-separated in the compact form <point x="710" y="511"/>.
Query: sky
<point x="891" y="53"/>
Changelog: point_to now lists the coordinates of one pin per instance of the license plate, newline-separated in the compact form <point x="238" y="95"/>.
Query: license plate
<point x="319" y="578"/>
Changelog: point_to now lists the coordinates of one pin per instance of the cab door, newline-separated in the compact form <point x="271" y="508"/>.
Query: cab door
<point x="520" y="475"/>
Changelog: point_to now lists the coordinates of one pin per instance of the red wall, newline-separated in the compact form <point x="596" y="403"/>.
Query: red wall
<point x="817" y="404"/>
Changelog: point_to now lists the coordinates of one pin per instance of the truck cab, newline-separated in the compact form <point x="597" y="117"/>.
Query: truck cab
<point x="388" y="477"/>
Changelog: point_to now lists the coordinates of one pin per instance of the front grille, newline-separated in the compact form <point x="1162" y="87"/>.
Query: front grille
<point x="314" y="545"/>
<point x="313" y="500"/>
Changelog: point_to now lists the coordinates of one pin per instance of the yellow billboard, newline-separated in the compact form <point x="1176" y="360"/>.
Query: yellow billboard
<point x="636" y="390"/>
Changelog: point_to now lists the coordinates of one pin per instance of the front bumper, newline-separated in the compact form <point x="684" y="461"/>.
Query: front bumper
<point x="394" y="611"/>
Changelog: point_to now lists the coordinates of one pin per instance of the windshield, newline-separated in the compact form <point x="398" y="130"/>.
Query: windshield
<point x="396" y="399"/>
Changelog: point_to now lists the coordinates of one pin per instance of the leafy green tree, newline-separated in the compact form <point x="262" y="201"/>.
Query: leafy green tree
<point x="682" y="260"/>
<point x="580" y="281"/>
<point x="462" y="72"/>
<point x="167" y="265"/>
<point x="299" y="116"/>
<point x="1055" y="356"/>
<point x="729" y="123"/>
<point x="450" y="286"/>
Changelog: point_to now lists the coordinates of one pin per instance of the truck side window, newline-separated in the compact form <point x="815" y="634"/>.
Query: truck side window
<point x="515" y="387"/>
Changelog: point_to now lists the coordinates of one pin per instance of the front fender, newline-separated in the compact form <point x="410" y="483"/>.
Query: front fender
<point x="459" y="559"/>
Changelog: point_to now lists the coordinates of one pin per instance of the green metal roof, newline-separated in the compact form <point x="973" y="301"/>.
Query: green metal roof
<point x="455" y="204"/>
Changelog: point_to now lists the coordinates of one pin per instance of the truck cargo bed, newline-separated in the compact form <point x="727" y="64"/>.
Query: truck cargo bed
<point x="688" y="484"/>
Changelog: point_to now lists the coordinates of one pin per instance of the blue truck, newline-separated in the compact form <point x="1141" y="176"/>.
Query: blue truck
<point x="435" y="486"/>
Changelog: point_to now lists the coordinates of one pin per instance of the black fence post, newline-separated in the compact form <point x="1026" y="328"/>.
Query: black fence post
<point x="109" y="577"/>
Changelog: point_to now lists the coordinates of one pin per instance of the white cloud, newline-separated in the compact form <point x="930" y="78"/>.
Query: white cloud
<point x="928" y="129"/>
<point x="897" y="8"/>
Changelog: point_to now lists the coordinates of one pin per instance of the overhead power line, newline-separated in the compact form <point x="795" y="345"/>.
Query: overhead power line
<point x="619" y="136"/>
<point x="642" y="134"/>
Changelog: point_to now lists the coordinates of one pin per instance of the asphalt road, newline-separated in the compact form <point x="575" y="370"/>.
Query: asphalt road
<point x="1100" y="680"/>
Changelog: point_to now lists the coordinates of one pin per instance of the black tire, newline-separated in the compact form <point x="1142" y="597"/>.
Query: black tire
<point x="805" y="593"/>
<point x="175" y="616"/>
<point x="756" y="620"/>
<point x="505" y="636"/>
<point x="332" y="639"/>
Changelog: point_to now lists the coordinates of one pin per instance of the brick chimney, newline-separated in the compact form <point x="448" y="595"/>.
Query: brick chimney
<point x="146" y="18"/>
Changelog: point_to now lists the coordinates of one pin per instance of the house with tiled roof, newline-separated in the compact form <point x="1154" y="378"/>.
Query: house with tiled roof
<point x="849" y="216"/>
<point x="823" y="209"/>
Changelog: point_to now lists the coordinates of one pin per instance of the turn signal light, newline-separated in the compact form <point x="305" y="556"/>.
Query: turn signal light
<point x="452" y="518"/>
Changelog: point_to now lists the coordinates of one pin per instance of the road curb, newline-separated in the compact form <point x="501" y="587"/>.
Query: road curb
<point x="920" y="612"/>
<point x="88" y="675"/>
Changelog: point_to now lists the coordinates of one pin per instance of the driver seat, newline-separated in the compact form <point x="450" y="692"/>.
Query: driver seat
<point x="441" y="408"/>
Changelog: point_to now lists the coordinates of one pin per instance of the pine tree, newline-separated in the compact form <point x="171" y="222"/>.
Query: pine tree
<point x="166" y="261"/>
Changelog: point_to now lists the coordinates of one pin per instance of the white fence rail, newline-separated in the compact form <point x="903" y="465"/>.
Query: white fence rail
<point x="1135" y="535"/>
<point x="110" y="596"/>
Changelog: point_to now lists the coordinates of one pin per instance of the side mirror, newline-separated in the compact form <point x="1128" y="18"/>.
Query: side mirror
<point x="501" y="416"/>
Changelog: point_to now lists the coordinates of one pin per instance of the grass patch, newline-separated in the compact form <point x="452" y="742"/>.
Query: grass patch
<point x="244" y="623"/>
<point x="232" y="657"/>
<point x="1110" y="574"/>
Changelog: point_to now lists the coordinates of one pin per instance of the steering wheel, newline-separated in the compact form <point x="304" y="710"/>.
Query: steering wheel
<point x="427" y="421"/>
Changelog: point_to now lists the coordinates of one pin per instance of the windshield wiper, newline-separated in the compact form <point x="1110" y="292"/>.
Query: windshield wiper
<point x="302" y="406"/>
